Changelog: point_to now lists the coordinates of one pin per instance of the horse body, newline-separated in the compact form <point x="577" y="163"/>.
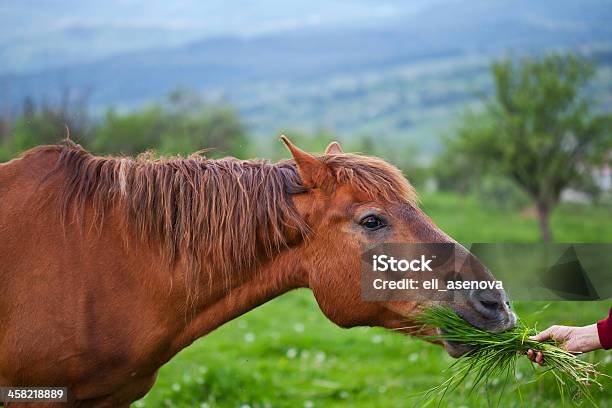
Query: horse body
<point x="65" y="308"/>
<point x="114" y="313"/>
<point x="90" y="302"/>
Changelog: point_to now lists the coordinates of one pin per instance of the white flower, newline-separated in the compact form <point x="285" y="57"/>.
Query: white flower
<point x="249" y="337"/>
<point x="292" y="353"/>
<point x="298" y="327"/>
<point x="320" y="357"/>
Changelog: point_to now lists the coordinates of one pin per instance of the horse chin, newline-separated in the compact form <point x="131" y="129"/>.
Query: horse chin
<point x="455" y="349"/>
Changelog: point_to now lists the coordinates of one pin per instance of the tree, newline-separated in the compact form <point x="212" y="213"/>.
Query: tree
<point x="538" y="129"/>
<point x="129" y="133"/>
<point x="45" y="123"/>
<point x="181" y="125"/>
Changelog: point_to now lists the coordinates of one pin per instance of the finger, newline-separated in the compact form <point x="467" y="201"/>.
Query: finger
<point x="540" y="358"/>
<point x="530" y="355"/>
<point x="545" y="335"/>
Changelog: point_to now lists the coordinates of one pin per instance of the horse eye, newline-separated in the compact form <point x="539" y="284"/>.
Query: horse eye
<point x="372" y="223"/>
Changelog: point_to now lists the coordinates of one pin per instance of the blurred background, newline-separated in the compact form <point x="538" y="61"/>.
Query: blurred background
<point x="498" y="111"/>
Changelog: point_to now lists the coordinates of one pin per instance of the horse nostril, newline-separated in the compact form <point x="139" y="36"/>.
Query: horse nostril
<point x="491" y="305"/>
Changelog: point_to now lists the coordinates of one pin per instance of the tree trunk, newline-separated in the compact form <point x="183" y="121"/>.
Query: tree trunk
<point x="544" y="220"/>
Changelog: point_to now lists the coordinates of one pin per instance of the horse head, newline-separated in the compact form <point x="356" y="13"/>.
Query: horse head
<point x="352" y="201"/>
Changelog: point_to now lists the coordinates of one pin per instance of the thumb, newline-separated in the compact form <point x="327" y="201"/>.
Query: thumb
<point x="545" y="335"/>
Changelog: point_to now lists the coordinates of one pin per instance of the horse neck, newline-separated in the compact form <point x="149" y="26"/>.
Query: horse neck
<point x="281" y="274"/>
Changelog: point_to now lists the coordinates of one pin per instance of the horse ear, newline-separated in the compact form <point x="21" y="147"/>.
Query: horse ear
<point x="334" y="148"/>
<point x="312" y="171"/>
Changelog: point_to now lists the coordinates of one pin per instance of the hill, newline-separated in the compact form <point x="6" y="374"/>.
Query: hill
<point x="403" y="76"/>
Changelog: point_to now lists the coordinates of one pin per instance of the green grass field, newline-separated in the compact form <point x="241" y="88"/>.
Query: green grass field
<point x="286" y="354"/>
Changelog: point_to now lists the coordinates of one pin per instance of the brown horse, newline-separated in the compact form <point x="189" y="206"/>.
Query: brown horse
<point x="110" y="266"/>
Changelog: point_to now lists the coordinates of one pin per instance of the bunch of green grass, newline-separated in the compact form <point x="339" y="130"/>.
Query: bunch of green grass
<point x="496" y="354"/>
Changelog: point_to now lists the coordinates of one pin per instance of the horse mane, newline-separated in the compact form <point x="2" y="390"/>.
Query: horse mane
<point x="227" y="211"/>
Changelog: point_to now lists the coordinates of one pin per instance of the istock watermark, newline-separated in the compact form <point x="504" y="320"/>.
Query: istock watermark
<point x="383" y="263"/>
<point x="444" y="272"/>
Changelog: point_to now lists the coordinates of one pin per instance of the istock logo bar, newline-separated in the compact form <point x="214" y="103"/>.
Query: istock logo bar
<point x="445" y="272"/>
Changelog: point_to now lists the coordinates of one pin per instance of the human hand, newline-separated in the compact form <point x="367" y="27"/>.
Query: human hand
<point x="573" y="339"/>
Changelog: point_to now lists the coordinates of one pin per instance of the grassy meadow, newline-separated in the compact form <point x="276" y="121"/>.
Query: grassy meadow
<point x="287" y="354"/>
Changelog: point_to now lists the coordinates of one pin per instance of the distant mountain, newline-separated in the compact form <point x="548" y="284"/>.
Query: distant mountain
<point x="40" y="34"/>
<point x="444" y="29"/>
<point x="403" y="72"/>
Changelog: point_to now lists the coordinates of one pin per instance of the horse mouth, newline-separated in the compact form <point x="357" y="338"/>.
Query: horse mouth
<point x="456" y="349"/>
